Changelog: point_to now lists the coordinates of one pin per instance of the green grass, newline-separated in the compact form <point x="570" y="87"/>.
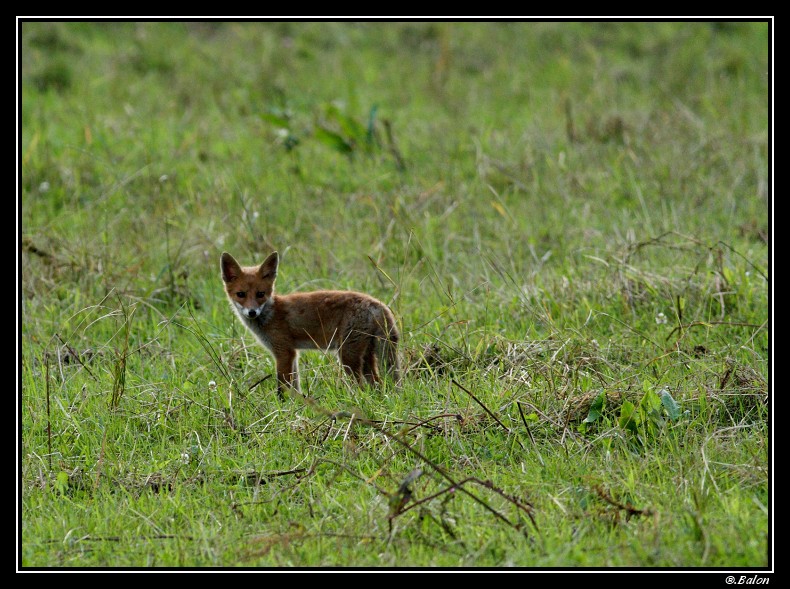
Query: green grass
<point x="568" y="219"/>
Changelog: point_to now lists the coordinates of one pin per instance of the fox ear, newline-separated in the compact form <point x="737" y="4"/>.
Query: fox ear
<point x="230" y="267"/>
<point x="269" y="267"/>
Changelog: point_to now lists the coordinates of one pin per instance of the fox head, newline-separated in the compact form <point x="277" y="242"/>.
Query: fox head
<point x="249" y="288"/>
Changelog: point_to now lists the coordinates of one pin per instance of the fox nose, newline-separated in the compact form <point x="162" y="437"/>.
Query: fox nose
<point x="252" y="313"/>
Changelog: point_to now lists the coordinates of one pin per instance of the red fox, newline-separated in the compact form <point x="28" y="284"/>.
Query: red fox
<point x="358" y="327"/>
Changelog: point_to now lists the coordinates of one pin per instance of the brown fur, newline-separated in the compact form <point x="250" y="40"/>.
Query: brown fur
<point x="359" y="328"/>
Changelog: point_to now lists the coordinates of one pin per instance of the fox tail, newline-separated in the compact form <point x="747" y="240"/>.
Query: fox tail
<point x="388" y="346"/>
<point x="389" y="355"/>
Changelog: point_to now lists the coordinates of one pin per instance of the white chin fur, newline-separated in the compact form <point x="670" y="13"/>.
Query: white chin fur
<point x="248" y="313"/>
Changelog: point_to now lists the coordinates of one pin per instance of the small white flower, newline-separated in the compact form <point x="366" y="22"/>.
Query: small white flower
<point x="185" y="458"/>
<point x="43" y="187"/>
<point x="661" y="318"/>
<point x="212" y="385"/>
<point x="163" y="178"/>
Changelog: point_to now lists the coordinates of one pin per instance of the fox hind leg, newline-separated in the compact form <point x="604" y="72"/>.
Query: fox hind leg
<point x="370" y="368"/>
<point x="351" y="359"/>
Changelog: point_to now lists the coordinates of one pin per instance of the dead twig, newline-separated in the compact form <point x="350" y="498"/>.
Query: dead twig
<point x="629" y="509"/>
<point x="468" y="392"/>
<point x="77" y="357"/>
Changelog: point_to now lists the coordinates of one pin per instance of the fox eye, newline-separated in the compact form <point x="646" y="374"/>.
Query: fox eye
<point x="260" y="294"/>
<point x="241" y="294"/>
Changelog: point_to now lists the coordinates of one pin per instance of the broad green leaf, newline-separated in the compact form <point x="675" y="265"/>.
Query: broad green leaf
<point x="670" y="405"/>
<point x="650" y="402"/>
<point x="628" y="416"/>
<point x="349" y="126"/>
<point x="62" y="481"/>
<point x="333" y="140"/>
<point x="596" y="408"/>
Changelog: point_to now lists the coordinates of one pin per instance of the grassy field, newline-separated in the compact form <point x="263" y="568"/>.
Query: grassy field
<point x="570" y="221"/>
